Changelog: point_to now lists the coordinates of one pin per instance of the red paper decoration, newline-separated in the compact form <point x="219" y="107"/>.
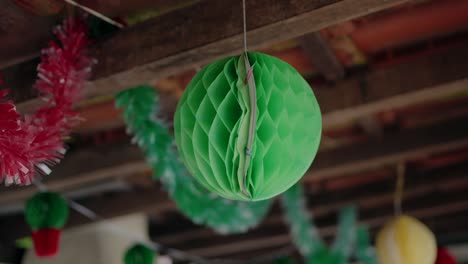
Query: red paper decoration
<point x="444" y="257"/>
<point x="30" y="144"/>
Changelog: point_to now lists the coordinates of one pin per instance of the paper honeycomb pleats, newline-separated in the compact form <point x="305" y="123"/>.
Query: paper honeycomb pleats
<point x="213" y="120"/>
<point x="140" y="105"/>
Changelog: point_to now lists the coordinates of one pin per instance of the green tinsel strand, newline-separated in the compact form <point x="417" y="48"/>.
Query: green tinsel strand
<point x="304" y="233"/>
<point x="140" y="106"/>
<point x="346" y="232"/>
<point x="364" y="251"/>
<point x="307" y="239"/>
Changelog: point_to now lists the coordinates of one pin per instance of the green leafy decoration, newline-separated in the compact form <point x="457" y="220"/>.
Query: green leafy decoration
<point x="306" y="237"/>
<point x="140" y="106"/>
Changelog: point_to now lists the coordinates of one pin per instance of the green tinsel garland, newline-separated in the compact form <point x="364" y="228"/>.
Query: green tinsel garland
<point x="140" y="105"/>
<point x="364" y="251"/>
<point x="225" y="216"/>
<point x="305" y="234"/>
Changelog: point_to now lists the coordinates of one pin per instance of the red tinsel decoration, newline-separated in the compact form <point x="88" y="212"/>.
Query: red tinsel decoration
<point x="30" y="144"/>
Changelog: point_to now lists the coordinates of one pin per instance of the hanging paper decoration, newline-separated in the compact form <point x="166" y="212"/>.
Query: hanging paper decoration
<point x="306" y="237"/>
<point x="406" y="240"/>
<point x="444" y="257"/>
<point x="140" y="107"/>
<point x="139" y="254"/>
<point x="248" y="133"/>
<point x="41" y="7"/>
<point x="29" y="144"/>
<point x="46" y="213"/>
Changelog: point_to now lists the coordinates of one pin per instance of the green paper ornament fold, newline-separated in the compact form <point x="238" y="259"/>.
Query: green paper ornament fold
<point x="140" y="106"/>
<point x="248" y="127"/>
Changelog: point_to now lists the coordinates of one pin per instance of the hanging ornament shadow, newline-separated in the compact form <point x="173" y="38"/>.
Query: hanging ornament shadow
<point x="46" y="213"/>
<point x="140" y="106"/>
<point x="248" y="127"/>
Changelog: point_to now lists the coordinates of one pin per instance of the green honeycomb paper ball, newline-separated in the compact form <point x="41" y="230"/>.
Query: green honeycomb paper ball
<point x="213" y="127"/>
<point x="46" y="210"/>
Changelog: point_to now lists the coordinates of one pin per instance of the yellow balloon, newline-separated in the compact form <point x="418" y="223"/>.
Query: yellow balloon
<point x="405" y="240"/>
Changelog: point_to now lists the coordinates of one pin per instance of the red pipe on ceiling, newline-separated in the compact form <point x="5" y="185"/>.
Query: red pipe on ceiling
<point x="411" y="24"/>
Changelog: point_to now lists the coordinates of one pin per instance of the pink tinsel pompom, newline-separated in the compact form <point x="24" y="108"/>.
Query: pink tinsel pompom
<point x="28" y="145"/>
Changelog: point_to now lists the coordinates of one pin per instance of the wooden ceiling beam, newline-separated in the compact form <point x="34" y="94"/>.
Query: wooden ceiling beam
<point x="437" y="76"/>
<point x="155" y="201"/>
<point x="278" y="240"/>
<point x="369" y="201"/>
<point x="409" y="144"/>
<point x="206" y="31"/>
<point x="322" y="56"/>
<point x="123" y="160"/>
<point x="85" y="166"/>
<point x="440" y="75"/>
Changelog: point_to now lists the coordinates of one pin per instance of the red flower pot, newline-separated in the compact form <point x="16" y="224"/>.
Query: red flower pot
<point x="46" y="242"/>
<point x="41" y="7"/>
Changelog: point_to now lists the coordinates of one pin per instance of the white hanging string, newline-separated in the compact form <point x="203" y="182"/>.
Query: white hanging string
<point x="95" y="13"/>
<point x="244" y="16"/>
<point x="400" y="182"/>
<point x="118" y="229"/>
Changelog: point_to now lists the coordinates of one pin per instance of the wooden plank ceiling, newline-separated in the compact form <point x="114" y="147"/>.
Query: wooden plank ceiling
<point x="395" y="97"/>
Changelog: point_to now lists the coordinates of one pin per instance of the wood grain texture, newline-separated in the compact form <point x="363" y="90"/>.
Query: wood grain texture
<point x="437" y="76"/>
<point x="440" y="75"/>
<point x="322" y="56"/>
<point x="206" y="31"/>
<point x="124" y="160"/>
<point x="410" y="144"/>
<point x="375" y="208"/>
